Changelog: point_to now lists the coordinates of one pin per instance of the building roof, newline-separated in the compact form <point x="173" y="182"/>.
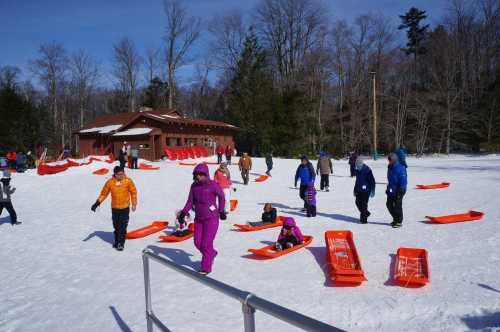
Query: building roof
<point x="109" y="123"/>
<point x="134" y="132"/>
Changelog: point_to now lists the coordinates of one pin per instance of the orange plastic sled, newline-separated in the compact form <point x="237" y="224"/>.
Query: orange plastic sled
<point x="147" y="167"/>
<point x="155" y="227"/>
<point x="261" y="178"/>
<point x="270" y="252"/>
<point x="411" y="267"/>
<point x="250" y="228"/>
<point x="173" y="238"/>
<point x="101" y="171"/>
<point x="469" y="216"/>
<point x="233" y="204"/>
<point x="343" y="258"/>
<point x="433" y="186"/>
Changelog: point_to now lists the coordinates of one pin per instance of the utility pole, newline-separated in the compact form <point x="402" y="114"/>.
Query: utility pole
<point x="374" y="81"/>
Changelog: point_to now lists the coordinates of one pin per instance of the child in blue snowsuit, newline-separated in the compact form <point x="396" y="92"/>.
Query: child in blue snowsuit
<point x="396" y="189"/>
<point x="364" y="188"/>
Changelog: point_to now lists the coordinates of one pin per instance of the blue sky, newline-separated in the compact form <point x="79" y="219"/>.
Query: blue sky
<point x="95" y="25"/>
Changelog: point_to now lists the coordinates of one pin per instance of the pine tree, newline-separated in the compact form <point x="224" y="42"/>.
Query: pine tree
<point x="415" y="32"/>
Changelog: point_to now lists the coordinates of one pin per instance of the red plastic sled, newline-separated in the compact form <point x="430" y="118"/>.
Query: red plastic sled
<point x="433" y="186"/>
<point x="173" y="238"/>
<point x="270" y="252"/>
<point x="469" y="216"/>
<point x="146" y="167"/>
<point x="412" y="267"/>
<point x="233" y="204"/>
<point x="261" y="178"/>
<point x="155" y="227"/>
<point x="250" y="228"/>
<point x="101" y="171"/>
<point x="343" y="258"/>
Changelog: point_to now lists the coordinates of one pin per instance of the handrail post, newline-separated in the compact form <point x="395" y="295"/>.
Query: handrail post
<point x="248" y="318"/>
<point x="147" y="290"/>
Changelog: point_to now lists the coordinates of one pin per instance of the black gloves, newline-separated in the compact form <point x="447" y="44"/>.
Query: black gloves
<point x="95" y="205"/>
<point x="181" y="218"/>
<point x="222" y="215"/>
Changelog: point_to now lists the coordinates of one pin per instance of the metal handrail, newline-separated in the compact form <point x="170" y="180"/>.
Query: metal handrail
<point x="249" y="301"/>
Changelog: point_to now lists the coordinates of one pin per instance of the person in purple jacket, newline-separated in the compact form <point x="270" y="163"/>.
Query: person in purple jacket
<point x="290" y="235"/>
<point x="311" y="200"/>
<point x="202" y="196"/>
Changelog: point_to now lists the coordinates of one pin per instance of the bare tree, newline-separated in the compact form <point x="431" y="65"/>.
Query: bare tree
<point x="127" y="62"/>
<point x="181" y="32"/>
<point x="291" y="29"/>
<point x="228" y="36"/>
<point x="152" y="62"/>
<point x="84" y="74"/>
<point x="9" y="76"/>
<point x="51" y="69"/>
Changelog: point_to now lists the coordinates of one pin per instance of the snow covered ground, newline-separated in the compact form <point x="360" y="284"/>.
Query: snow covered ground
<point x="59" y="272"/>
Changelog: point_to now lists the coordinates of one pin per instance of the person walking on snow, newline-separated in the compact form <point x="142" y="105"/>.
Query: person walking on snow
<point x="245" y="165"/>
<point x="352" y="163"/>
<point x="401" y="153"/>
<point x="305" y="172"/>
<point x="269" y="163"/>
<point x="229" y="153"/>
<point x="5" y="201"/>
<point x="134" y="155"/>
<point x="364" y="188"/>
<point x="324" y="168"/>
<point x="396" y="189"/>
<point x="220" y="151"/>
<point x="223" y="177"/>
<point x="122" y="190"/>
<point x="202" y="196"/>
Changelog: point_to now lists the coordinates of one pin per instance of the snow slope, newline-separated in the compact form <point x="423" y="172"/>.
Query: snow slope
<point x="59" y="272"/>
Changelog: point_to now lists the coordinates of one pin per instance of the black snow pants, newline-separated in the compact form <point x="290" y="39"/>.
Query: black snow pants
<point x="362" y="199"/>
<point x="302" y="194"/>
<point x="120" y="222"/>
<point x="395" y="207"/>
<point x="8" y="206"/>
<point x="325" y="181"/>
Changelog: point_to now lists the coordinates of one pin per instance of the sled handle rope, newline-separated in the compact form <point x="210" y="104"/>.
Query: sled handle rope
<point x="250" y="302"/>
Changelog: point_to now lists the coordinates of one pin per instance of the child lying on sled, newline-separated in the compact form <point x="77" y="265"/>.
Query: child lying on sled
<point x="268" y="216"/>
<point x="290" y="235"/>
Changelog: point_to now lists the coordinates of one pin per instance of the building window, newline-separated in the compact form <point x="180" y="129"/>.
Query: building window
<point x="144" y="146"/>
<point x="171" y="141"/>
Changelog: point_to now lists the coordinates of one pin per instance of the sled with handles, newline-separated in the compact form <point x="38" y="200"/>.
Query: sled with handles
<point x="453" y="218"/>
<point x="250" y="228"/>
<point x="174" y="238"/>
<point x="271" y="252"/>
<point x="433" y="186"/>
<point x="343" y="257"/>
<point x="154" y="227"/>
<point x="101" y="171"/>
<point x="411" y="267"/>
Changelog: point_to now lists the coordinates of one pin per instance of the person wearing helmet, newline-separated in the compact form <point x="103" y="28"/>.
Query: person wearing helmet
<point x="208" y="201"/>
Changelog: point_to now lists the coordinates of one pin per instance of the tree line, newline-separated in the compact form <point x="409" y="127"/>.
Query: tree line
<point x="294" y="80"/>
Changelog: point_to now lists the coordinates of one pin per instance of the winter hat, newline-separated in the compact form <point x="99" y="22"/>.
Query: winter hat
<point x="393" y="157"/>
<point x="6" y="174"/>
<point x="304" y="157"/>
<point x="322" y="153"/>
<point x="118" y="169"/>
<point x="202" y="169"/>
<point x="359" y="163"/>
<point x="289" y="222"/>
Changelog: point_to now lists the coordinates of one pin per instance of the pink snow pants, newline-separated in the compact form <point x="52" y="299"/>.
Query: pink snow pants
<point x="204" y="235"/>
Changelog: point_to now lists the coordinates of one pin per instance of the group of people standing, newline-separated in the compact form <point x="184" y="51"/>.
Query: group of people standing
<point x="128" y="155"/>
<point x="228" y="151"/>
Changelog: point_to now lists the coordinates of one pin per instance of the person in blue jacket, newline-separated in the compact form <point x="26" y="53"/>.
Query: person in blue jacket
<point x="364" y="188"/>
<point x="305" y="172"/>
<point x="396" y="189"/>
<point x="401" y="152"/>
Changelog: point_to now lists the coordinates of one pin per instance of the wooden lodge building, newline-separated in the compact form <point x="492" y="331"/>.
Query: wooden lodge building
<point x="151" y="131"/>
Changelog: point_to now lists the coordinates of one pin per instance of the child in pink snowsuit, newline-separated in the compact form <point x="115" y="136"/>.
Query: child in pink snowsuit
<point x="202" y="196"/>
<point x="290" y="235"/>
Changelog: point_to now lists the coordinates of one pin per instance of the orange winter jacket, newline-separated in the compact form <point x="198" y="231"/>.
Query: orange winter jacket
<point x="121" y="192"/>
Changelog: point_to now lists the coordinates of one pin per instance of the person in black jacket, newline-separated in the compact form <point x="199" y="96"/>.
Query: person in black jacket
<point x="364" y="188"/>
<point x="269" y="163"/>
<point x="268" y="216"/>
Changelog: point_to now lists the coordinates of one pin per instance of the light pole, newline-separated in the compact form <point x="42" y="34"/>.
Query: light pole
<point x="374" y="83"/>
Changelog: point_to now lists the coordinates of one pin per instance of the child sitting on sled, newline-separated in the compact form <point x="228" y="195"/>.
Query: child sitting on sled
<point x="268" y="216"/>
<point x="290" y="235"/>
<point x="311" y="200"/>
<point x="181" y="228"/>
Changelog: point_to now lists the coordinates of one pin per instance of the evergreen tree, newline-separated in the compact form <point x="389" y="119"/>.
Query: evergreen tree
<point x="156" y="93"/>
<point x="415" y="32"/>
